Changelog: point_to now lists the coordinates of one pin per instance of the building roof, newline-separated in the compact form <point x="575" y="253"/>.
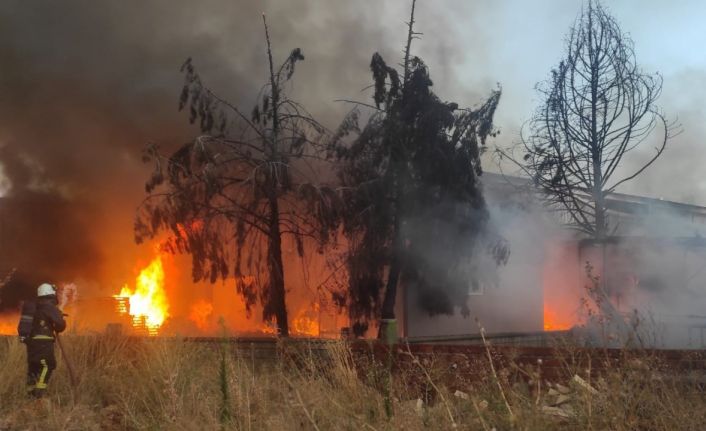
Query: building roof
<point x="630" y="215"/>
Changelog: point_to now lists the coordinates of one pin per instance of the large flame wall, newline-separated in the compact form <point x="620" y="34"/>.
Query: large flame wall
<point x="162" y="299"/>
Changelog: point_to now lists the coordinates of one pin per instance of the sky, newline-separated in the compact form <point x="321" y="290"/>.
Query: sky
<point x="85" y="85"/>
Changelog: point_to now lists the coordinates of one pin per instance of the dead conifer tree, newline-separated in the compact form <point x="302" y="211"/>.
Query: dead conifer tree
<point x="598" y="107"/>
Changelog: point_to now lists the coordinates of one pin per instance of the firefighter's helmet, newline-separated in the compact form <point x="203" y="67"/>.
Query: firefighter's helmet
<point x="46" y="289"/>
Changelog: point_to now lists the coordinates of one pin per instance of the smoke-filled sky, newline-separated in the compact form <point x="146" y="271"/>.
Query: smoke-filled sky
<point x="84" y="85"/>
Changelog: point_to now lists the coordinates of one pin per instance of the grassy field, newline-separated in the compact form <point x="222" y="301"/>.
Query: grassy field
<point x="166" y="384"/>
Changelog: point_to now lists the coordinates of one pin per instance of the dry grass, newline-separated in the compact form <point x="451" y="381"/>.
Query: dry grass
<point x="173" y="385"/>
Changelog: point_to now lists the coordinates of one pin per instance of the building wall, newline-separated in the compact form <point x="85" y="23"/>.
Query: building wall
<point x="515" y="302"/>
<point x="656" y="265"/>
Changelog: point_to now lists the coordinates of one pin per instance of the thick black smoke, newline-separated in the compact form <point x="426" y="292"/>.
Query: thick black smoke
<point x="85" y="85"/>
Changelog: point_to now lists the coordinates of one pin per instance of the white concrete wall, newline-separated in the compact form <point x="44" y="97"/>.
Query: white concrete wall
<point x="515" y="304"/>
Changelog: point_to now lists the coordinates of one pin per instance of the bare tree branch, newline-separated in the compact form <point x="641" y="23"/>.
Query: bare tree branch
<point x="598" y="107"/>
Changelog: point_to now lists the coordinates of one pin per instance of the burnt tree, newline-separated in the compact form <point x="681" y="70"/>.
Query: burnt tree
<point x="414" y="208"/>
<point x="233" y="195"/>
<point x="598" y="106"/>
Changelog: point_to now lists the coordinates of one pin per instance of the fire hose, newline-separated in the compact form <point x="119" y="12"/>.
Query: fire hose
<point x="72" y="375"/>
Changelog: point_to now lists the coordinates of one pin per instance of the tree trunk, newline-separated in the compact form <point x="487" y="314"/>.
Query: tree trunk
<point x="596" y="148"/>
<point x="393" y="276"/>
<point x="277" y="305"/>
<point x="388" y="304"/>
<point x="598" y="204"/>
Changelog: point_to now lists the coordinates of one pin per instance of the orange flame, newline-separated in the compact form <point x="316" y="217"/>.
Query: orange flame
<point x="148" y="301"/>
<point x="307" y="323"/>
<point x="201" y="313"/>
<point x="8" y="324"/>
<point x="554" y="322"/>
<point x="562" y="294"/>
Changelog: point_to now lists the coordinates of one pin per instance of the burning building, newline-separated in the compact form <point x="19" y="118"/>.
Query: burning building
<point x="655" y="270"/>
<point x="654" y="276"/>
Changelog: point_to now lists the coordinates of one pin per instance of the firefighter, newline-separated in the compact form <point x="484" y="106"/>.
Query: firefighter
<point x="46" y="320"/>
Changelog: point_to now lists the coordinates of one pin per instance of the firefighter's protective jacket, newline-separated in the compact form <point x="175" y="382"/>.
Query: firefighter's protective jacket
<point x="24" y="328"/>
<point x="48" y="319"/>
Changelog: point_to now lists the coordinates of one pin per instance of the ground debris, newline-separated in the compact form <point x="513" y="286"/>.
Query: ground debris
<point x="562" y="389"/>
<point x="564" y="413"/>
<point x="561" y="399"/>
<point x="638" y="364"/>
<point x="461" y="394"/>
<point x="419" y="406"/>
<point x="416" y="406"/>
<point x="581" y="383"/>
